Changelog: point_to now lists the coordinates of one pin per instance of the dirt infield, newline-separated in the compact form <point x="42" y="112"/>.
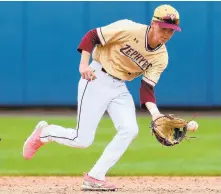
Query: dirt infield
<point x="128" y="185"/>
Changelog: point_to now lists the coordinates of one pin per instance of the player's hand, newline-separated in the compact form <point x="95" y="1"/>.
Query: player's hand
<point x="156" y="116"/>
<point x="87" y="72"/>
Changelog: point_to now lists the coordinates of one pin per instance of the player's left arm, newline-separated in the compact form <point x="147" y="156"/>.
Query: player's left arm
<point x="147" y="95"/>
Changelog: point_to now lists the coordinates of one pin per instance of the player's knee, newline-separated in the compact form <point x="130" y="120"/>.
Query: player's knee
<point x="130" y="130"/>
<point x="134" y="131"/>
<point x="85" y="142"/>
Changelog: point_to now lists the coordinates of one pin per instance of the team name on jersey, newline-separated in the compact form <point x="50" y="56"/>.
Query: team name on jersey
<point x="136" y="57"/>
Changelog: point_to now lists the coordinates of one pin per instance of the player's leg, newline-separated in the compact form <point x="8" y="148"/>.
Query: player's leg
<point x="93" y="100"/>
<point x="122" y="111"/>
<point x="91" y="107"/>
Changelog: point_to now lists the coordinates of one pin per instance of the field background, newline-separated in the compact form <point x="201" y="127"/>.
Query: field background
<point x="200" y="156"/>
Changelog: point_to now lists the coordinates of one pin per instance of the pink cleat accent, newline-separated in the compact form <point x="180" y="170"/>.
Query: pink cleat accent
<point x="92" y="184"/>
<point x="33" y="143"/>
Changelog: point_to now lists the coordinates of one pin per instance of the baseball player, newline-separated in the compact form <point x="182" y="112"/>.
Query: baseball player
<point x="122" y="51"/>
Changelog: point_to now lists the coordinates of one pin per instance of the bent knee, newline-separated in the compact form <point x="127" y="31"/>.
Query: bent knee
<point x="134" y="131"/>
<point x="87" y="143"/>
<point x="83" y="143"/>
<point x="130" y="130"/>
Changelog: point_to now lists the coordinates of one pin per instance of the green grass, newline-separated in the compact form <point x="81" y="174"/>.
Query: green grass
<point x="200" y="156"/>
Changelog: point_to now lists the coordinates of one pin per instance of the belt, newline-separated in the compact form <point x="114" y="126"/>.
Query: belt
<point x="102" y="69"/>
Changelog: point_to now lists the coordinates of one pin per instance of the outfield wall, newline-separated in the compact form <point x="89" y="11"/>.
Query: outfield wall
<point x="39" y="61"/>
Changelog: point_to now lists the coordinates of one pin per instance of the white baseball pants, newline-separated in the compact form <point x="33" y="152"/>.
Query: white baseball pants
<point x="94" y="98"/>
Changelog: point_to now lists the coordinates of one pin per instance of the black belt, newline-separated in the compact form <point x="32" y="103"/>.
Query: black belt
<point x="102" y="69"/>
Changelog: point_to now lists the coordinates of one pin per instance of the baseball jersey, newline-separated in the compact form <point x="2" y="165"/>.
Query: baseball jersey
<point x="124" y="52"/>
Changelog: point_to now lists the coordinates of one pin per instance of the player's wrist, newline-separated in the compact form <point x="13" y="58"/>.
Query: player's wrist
<point x="152" y="107"/>
<point x="154" y="111"/>
<point x="83" y="65"/>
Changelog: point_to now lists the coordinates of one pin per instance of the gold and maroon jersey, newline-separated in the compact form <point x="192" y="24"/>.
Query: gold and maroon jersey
<point x="125" y="54"/>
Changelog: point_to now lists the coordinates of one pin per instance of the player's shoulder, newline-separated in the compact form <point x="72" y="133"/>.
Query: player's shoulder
<point x="164" y="51"/>
<point x="126" y="21"/>
<point x="162" y="54"/>
<point x="130" y="24"/>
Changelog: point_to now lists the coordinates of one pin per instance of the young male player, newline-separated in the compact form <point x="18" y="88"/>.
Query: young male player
<point x="122" y="51"/>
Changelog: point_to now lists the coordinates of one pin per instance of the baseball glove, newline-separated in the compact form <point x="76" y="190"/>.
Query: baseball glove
<point x="169" y="130"/>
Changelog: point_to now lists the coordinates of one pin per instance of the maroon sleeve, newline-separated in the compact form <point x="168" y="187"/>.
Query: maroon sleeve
<point x="89" y="41"/>
<point x="146" y="94"/>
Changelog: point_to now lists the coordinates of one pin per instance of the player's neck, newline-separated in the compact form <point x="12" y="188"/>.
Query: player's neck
<point x="151" y="41"/>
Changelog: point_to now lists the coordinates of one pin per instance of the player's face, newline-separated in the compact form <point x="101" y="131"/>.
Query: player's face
<point x="162" y="35"/>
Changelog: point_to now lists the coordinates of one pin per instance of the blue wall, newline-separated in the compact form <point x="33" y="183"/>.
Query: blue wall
<point x="39" y="61"/>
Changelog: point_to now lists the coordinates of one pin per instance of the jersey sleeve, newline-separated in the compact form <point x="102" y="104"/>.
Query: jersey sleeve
<point x="114" y="31"/>
<point x="152" y="75"/>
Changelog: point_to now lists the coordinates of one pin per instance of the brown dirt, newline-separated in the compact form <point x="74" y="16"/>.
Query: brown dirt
<point x="128" y="185"/>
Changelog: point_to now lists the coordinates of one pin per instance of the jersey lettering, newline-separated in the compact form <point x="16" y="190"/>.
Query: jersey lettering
<point x="136" y="57"/>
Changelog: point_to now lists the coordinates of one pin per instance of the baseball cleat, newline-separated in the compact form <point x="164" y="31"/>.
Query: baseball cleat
<point x="33" y="143"/>
<point x="92" y="184"/>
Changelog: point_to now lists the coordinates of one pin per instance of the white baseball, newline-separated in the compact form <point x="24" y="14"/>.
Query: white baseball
<point x="192" y="126"/>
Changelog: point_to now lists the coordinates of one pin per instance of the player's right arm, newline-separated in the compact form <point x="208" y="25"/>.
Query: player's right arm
<point x="87" y="44"/>
<point x="84" y="69"/>
<point x="102" y="36"/>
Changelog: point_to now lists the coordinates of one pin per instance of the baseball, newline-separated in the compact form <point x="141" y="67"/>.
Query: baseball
<point x="192" y="126"/>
